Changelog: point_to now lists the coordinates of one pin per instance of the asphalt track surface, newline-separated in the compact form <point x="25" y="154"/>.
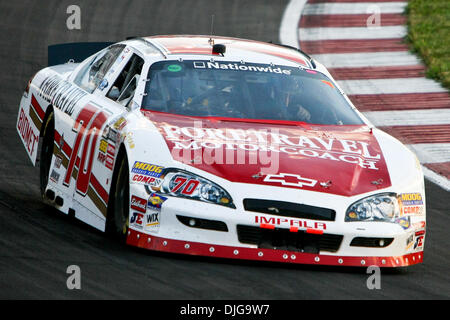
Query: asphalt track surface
<point x="37" y="244"/>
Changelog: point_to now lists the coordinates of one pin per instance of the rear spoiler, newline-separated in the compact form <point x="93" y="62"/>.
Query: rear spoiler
<point x="75" y="51"/>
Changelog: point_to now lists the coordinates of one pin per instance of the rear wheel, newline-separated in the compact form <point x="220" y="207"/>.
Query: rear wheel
<point x="117" y="220"/>
<point x="45" y="158"/>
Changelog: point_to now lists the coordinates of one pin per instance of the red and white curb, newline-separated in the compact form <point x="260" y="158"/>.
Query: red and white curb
<point x="372" y="64"/>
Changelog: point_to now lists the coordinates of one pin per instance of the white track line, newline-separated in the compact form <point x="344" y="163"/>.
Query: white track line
<point x="409" y="117"/>
<point x="354" y="8"/>
<point x="289" y="33"/>
<point x="431" y="152"/>
<point x="441" y="181"/>
<point x="388" y="86"/>
<point x="289" y="23"/>
<point x="370" y="59"/>
<point x="354" y="33"/>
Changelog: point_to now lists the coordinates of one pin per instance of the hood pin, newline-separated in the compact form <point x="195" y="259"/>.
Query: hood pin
<point x="326" y="184"/>
<point x="377" y="182"/>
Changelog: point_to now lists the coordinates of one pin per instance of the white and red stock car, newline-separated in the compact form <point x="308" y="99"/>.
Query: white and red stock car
<point x="222" y="147"/>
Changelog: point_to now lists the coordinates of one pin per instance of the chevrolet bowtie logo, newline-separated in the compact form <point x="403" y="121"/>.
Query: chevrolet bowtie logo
<point x="287" y="179"/>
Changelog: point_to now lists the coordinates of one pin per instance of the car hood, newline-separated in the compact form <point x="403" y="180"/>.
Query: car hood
<point x="343" y="160"/>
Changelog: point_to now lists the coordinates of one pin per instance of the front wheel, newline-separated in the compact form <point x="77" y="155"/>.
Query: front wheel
<point x="117" y="219"/>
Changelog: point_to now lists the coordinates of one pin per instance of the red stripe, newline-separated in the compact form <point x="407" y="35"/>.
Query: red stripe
<point x="420" y="134"/>
<point x="378" y="72"/>
<point x="442" y="168"/>
<point x="99" y="189"/>
<point x="404" y="101"/>
<point x="349" y="20"/>
<point x="348" y="46"/>
<point x="37" y="108"/>
<point x="183" y="50"/>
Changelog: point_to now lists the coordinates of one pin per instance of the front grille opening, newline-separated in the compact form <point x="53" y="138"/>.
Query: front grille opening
<point x="203" y="223"/>
<point x="283" y="239"/>
<point x="371" y="242"/>
<point x="289" y="209"/>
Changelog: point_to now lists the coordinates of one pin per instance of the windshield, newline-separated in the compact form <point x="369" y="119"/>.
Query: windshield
<point x="245" y="91"/>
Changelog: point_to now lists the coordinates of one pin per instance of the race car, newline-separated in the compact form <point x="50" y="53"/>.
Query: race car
<point x="222" y="147"/>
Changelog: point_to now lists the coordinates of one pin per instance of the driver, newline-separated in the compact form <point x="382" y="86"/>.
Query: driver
<point x="292" y="99"/>
<point x="296" y="110"/>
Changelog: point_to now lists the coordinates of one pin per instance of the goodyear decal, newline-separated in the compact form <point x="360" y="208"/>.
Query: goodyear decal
<point x="147" y="169"/>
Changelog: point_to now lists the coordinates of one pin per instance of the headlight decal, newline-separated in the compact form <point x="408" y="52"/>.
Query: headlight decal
<point x="380" y="207"/>
<point x="183" y="184"/>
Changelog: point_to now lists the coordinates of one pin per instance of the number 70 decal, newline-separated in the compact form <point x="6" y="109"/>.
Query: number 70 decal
<point x="88" y="126"/>
<point x="189" y="187"/>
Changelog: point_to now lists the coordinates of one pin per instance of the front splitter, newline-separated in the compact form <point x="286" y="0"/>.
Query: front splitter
<point x="151" y="242"/>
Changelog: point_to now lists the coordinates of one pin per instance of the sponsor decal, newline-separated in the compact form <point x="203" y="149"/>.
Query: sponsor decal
<point x="411" y="199"/>
<point x="184" y="185"/>
<point x="412" y="210"/>
<point x="138" y="204"/>
<point x="54" y="176"/>
<point x="152" y="221"/>
<point x="101" y="158"/>
<point x="240" y="67"/>
<point x="404" y="222"/>
<point x="174" y="68"/>
<point x="120" y="124"/>
<point x="103" y="145"/>
<point x="409" y="242"/>
<point x="247" y="152"/>
<point x="106" y="154"/>
<point x="129" y="139"/>
<point x="147" y="169"/>
<point x="61" y="93"/>
<point x="26" y="130"/>
<point x="419" y="225"/>
<point x="156" y="201"/>
<point x="110" y="134"/>
<point x="103" y="84"/>
<point x="137" y="220"/>
<point x="289" y="223"/>
<point x="110" y="154"/>
<point x="419" y="242"/>
<point x="58" y="162"/>
<point x="263" y="141"/>
<point x="410" y="204"/>
<point x="144" y="179"/>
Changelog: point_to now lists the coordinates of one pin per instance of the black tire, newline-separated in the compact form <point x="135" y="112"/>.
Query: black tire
<point x="117" y="219"/>
<point x="45" y="158"/>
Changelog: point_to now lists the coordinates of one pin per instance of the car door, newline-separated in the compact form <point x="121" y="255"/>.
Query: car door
<point x="87" y="185"/>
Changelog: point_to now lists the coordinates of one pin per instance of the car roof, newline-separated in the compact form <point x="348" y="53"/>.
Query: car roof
<point x="180" y="46"/>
